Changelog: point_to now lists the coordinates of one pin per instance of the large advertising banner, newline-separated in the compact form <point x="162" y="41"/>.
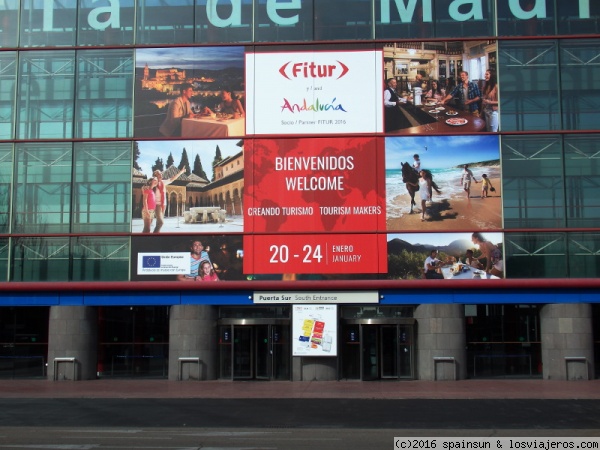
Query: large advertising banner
<point x="315" y="92"/>
<point x="314" y="185"/>
<point x="314" y="330"/>
<point x="443" y="183"/>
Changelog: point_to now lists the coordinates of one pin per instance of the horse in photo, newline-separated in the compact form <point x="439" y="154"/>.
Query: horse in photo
<point x="411" y="178"/>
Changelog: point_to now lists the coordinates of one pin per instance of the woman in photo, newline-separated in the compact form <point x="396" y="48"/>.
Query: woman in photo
<point x="494" y="264"/>
<point x="229" y="104"/>
<point x="436" y="92"/>
<point x="490" y="101"/>
<point x="149" y="203"/>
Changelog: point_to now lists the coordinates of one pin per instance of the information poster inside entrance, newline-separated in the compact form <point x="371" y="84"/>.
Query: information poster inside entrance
<point x="314" y="330"/>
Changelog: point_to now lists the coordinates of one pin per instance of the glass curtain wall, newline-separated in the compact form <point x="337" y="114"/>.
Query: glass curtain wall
<point x="104" y="94"/>
<point x="8" y="78"/>
<point x="6" y="166"/>
<point x="46" y="94"/>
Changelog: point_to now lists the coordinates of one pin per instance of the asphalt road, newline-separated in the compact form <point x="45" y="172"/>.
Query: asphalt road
<point x="291" y="424"/>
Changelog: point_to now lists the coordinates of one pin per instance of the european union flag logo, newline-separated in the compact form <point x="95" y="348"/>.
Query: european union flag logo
<point x="149" y="262"/>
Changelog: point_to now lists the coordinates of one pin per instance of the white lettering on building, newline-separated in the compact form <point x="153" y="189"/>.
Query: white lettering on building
<point x="476" y="12"/>
<point x="539" y="10"/>
<point x="405" y="9"/>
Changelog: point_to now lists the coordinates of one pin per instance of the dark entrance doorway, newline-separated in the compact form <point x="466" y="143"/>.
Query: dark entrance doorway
<point x="377" y="351"/>
<point x="254" y="351"/>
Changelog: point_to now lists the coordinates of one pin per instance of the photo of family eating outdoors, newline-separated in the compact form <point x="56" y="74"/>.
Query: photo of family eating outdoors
<point x="443" y="183"/>
<point x="440" y="87"/>
<point x="437" y="256"/>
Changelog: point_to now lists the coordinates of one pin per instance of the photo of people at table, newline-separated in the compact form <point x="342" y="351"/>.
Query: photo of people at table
<point x="437" y="256"/>
<point x="440" y="87"/>
<point x="189" y="92"/>
<point x="212" y="257"/>
<point x="443" y="183"/>
<point x="188" y="186"/>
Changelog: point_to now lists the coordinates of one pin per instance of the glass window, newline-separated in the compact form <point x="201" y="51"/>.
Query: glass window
<point x="42" y="192"/>
<point x="165" y="22"/>
<point x="584" y="249"/>
<point x="9" y="21"/>
<point x="105" y="22"/>
<point x="503" y="341"/>
<point x="133" y="341"/>
<point x="536" y="255"/>
<point x="460" y="19"/>
<point x="343" y="19"/>
<point x="533" y="186"/>
<point x="6" y="165"/>
<point x="218" y="21"/>
<point x="8" y="77"/>
<point x="405" y="24"/>
<point x="529" y="84"/>
<point x="582" y="178"/>
<point x="40" y="259"/>
<point x="579" y="75"/>
<point x="579" y="17"/>
<point x="48" y="23"/>
<point x="46" y="94"/>
<point x="526" y="18"/>
<point x="100" y="259"/>
<point x="104" y="94"/>
<point x="102" y="189"/>
<point x="292" y="20"/>
<point x="24" y="341"/>
<point x="4" y="243"/>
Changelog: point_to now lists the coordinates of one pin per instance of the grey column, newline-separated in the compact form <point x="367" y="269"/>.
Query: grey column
<point x="441" y="334"/>
<point x="73" y="333"/>
<point x="193" y="334"/>
<point x="567" y="341"/>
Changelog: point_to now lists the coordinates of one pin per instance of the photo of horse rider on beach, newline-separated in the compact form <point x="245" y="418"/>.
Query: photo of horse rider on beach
<point x="425" y="183"/>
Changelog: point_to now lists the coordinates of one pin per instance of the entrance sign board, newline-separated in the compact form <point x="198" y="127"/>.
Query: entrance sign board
<point x="274" y="297"/>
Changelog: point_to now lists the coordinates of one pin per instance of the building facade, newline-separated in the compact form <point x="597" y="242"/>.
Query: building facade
<point x="290" y="138"/>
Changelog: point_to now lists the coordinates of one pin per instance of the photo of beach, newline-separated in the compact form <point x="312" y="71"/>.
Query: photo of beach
<point x="459" y="203"/>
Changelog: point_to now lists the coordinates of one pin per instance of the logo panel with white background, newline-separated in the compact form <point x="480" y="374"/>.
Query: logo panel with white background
<point x="318" y="92"/>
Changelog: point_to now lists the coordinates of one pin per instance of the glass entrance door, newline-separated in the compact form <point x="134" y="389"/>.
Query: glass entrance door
<point x="370" y="352"/>
<point x="260" y="352"/>
<point x="386" y="351"/>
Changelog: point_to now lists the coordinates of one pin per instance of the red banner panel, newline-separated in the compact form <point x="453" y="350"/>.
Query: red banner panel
<point x="314" y="185"/>
<point x="315" y="254"/>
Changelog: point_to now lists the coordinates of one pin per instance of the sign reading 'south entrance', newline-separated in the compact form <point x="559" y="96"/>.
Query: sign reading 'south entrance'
<point x="314" y="92"/>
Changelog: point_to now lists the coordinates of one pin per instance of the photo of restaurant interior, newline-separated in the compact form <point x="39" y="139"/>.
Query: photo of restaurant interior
<point x="425" y="80"/>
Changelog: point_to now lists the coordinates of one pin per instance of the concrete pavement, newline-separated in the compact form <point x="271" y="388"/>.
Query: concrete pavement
<point x="457" y="390"/>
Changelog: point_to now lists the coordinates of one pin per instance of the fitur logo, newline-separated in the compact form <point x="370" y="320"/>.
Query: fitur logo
<point x="313" y="70"/>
